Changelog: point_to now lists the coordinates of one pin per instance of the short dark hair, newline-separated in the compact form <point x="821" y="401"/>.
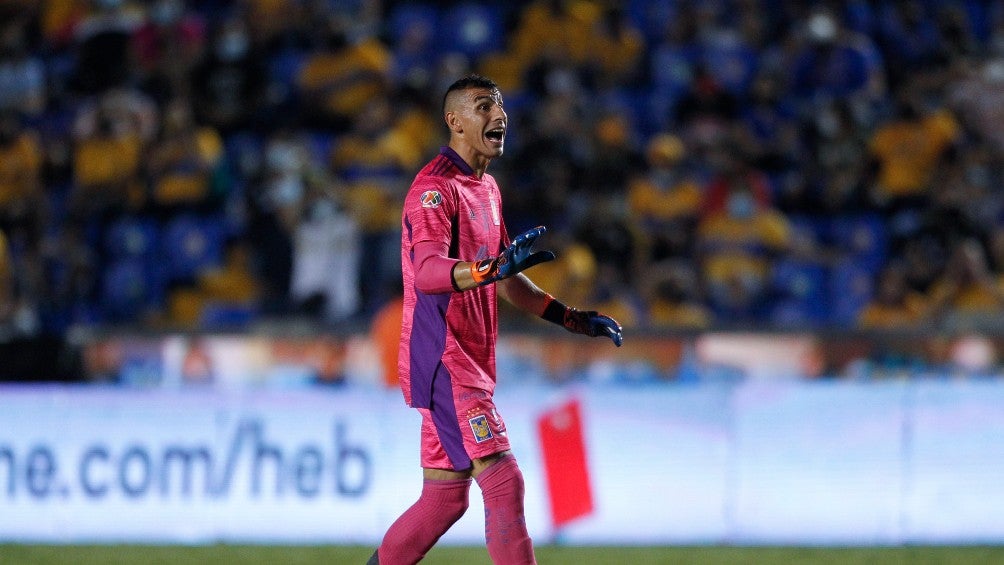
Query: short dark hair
<point x="469" y="81"/>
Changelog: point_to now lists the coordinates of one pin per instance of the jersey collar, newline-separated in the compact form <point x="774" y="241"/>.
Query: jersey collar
<point x="456" y="159"/>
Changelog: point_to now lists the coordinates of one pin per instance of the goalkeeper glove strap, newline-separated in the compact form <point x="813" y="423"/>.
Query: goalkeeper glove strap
<point x="555" y="312"/>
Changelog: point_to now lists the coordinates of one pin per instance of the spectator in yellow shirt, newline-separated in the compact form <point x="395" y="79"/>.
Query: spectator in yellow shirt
<point x="338" y="79"/>
<point x="894" y="305"/>
<point x="967" y="293"/>
<point x="665" y="202"/>
<point x="907" y="150"/>
<point x="736" y="246"/>
<point x="21" y="159"/>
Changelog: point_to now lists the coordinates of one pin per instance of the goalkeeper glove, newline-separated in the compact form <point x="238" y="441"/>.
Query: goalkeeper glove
<point x="586" y="322"/>
<point x="512" y="260"/>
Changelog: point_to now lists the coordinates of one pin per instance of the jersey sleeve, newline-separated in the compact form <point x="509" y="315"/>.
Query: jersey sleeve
<point x="430" y="210"/>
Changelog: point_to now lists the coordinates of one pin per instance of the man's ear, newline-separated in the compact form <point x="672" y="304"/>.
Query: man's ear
<point x="453" y="122"/>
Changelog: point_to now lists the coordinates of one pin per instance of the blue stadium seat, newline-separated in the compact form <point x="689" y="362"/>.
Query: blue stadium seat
<point x="807" y="228"/>
<point x="863" y="236"/>
<point x="801" y="290"/>
<point x="191" y="244"/>
<point x="472" y="29"/>
<point x="638" y="106"/>
<point x="221" y="315"/>
<point x="651" y="16"/>
<point x="407" y="14"/>
<point x="129" y="286"/>
<point x="132" y="236"/>
<point x="851" y="288"/>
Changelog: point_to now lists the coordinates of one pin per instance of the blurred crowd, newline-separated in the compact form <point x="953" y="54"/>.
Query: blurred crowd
<point x="699" y="164"/>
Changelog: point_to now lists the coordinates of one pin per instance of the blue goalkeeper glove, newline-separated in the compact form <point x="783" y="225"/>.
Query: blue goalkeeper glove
<point x="585" y="322"/>
<point x="516" y="258"/>
<point x="593" y="324"/>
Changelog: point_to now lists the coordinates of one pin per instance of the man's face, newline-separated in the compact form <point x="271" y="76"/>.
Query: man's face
<point x="478" y="118"/>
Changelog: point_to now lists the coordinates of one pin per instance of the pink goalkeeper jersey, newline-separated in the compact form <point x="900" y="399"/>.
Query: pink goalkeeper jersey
<point x="450" y="335"/>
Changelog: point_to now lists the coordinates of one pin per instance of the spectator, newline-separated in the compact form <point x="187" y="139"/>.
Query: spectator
<point x="894" y="305"/>
<point x="673" y="297"/>
<point x="370" y="161"/>
<point x="665" y="202"/>
<point x="909" y="36"/>
<point x="555" y="30"/>
<point x="342" y="74"/>
<point x="907" y="151"/>
<point x="103" y="40"/>
<point x="967" y="294"/>
<point x="230" y="84"/>
<point x="276" y="199"/>
<point x="166" y="47"/>
<point x="977" y="97"/>
<point x="110" y="138"/>
<point x="184" y="159"/>
<point x="572" y="273"/>
<point x="22" y="197"/>
<point x="613" y="158"/>
<point x="327" y="257"/>
<point x="23" y="86"/>
<point x="736" y="246"/>
<point x="834" y="63"/>
<point x="619" y="49"/>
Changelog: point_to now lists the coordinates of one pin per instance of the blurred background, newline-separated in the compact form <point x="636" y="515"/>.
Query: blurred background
<point x="208" y="194"/>
<point x="238" y="166"/>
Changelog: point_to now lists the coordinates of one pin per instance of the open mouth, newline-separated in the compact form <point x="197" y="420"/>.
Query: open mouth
<point x="496" y="135"/>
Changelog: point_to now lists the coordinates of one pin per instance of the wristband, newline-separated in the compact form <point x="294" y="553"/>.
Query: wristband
<point x="555" y="311"/>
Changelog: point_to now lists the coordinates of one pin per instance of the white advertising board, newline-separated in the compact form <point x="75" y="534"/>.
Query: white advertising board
<point x="779" y="463"/>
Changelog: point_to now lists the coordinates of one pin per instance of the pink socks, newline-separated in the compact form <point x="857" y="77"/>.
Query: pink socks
<point x="415" y="532"/>
<point x="442" y="503"/>
<point x="505" y="524"/>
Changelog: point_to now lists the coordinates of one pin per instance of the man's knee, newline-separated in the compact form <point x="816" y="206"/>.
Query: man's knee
<point x="502" y="478"/>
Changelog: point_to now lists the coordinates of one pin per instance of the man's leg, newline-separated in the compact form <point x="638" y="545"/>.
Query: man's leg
<point x="502" y="487"/>
<point x="441" y="504"/>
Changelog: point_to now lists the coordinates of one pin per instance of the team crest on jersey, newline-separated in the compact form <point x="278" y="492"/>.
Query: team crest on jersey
<point x="479" y="425"/>
<point x="431" y="199"/>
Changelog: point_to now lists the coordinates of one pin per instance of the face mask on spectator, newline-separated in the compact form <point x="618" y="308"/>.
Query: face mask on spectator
<point x="740" y="205"/>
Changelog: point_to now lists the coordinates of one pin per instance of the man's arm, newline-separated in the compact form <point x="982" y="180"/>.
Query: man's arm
<point x="436" y="273"/>
<point x="518" y="257"/>
<point x="523" y="294"/>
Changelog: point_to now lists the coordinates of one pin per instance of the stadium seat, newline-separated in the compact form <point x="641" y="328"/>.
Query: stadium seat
<point x="220" y="315"/>
<point x="851" y="285"/>
<point x="130" y="286"/>
<point x="132" y="236"/>
<point x="809" y="229"/>
<point x="650" y="16"/>
<point x="472" y="29"/>
<point x="864" y="237"/>
<point x="407" y="14"/>
<point x="801" y="290"/>
<point x="191" y="244"/>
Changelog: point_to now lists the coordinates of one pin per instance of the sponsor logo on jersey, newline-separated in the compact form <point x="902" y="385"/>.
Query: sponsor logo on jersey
<point x="479" y="425"/>
<point x="431" y="199"/>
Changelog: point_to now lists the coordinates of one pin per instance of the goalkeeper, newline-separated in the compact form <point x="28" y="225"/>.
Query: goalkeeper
<point x="457" y="259"/>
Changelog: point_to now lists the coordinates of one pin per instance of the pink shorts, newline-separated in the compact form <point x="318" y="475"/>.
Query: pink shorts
<point x="470" y="428"/>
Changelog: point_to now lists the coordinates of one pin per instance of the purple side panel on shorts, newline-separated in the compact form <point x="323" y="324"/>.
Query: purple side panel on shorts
<point x="444" y="416"/>
<point x="428" y="341"/>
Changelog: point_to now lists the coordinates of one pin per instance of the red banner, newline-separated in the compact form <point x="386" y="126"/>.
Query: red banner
<point x="563" y="450"/>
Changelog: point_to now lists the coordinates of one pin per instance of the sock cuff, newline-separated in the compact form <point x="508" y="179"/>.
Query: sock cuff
<point x="446" y="484"/>
<point x="499" y="471"/>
